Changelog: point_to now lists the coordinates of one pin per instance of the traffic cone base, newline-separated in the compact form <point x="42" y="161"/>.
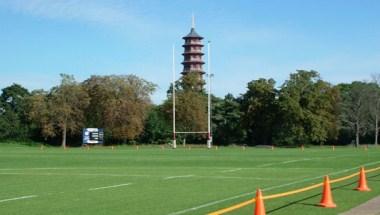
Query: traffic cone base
<point x="363" y="189"/>
<point x="362" y="185"/>
<point x="327" y="199"/>
<point x="329" y="205"/>
<point x="259" y="207"/>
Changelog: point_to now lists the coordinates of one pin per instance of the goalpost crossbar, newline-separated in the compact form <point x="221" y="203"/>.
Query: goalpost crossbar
<point x="191" y="132"/>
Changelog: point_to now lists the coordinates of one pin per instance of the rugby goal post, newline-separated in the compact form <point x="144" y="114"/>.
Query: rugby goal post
<point x="209" y="75"/>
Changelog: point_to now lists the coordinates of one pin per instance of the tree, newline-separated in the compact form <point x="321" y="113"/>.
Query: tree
<point x="119" y="103"/>
<point x="191" y="112"/>
<point x="308" y="109"/>
<point x="191" y="105"/>
<point x="6" y="119"/>
<point x="226" y="121"/>
<point x="355" y="107"/>
<point x="13" y="117"/>
<point x="156" y="128"/>
<point x="39" y="113"/>
<point x="259" y="108"/>
<point x="375" y="104"/>
<point x="62" y="110"/>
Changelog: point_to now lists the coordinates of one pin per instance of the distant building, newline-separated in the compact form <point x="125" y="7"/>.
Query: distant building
<point x="192" y="62"/>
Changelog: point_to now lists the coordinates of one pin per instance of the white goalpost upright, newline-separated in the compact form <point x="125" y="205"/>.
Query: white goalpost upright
<point x="173" y="70"/>
<point x="209" y="75"/>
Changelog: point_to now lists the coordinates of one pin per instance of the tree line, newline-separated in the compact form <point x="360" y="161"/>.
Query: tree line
<point x="305" y="109"/>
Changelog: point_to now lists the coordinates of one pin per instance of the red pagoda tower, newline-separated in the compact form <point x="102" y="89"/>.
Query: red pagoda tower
<point x="192" y="62"/>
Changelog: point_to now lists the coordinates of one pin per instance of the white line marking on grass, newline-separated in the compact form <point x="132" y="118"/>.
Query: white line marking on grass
<point x="293" y="161"/>
<point x="112" y="175"/>
<point x="61" y="168"/>
<point x="238" y="177"/>
<point x="38" y="168"/>
<point x="107" y="187"/>
<point x="265" y="165"/>
<point x="178" y="176"/>
<point x="266" y="189"/>
<point x="286" y="162"/>
<point x="18" y="198"/>
<point x="73" y="174"/>
<point x="304" y="159"/>
<point x="232" y="170"/>
<point x="207" y="204"/>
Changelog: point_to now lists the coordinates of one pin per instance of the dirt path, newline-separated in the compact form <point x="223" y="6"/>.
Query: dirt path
<point x="372" y="207"/>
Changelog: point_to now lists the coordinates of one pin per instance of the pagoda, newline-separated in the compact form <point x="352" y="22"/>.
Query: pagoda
<point x="192" y="62"/>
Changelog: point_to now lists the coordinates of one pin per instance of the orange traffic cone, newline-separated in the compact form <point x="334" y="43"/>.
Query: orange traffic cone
<point x="259" y="207"/>
<point x="362" y="185"/>
<point x="327" y="199"/>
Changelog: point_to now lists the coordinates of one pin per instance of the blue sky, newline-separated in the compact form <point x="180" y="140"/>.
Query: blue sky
<point x="39" y="39"/>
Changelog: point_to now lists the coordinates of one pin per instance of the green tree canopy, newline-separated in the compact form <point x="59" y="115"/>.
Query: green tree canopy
<point x="226" y="121"/>
<point x="259" y="107"/>
<point x="119" y="103"/>
<point x="156" y="129"/>
<point x="308" y="109"/>
<point x="14" y="122"/>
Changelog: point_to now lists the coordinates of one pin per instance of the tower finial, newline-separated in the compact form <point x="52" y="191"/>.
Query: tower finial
<point x="192" y="21"/>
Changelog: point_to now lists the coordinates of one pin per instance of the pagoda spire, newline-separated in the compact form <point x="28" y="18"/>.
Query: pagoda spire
<point x="192" y="20"/>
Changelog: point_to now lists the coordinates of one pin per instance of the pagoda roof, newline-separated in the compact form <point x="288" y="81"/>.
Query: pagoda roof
<point x="192" y="62"/>
<point x="192" y="44"/>
<point x="193" y="53"/>
<point x="192" y="71"/>
<point x="192" y="34"/>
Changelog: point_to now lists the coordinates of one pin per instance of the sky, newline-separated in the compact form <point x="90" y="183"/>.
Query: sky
<point x="250" y="39"/>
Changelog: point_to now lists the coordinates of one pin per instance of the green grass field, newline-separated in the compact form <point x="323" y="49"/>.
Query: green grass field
<point x="173" y="182"/>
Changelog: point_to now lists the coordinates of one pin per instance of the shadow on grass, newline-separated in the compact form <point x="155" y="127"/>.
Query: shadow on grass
<point x="300" y="201"/>
<point x="373" y="178"/>
<point x="296" y="202"/>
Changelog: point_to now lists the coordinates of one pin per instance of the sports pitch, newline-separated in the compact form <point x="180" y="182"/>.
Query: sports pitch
<point x="152" y="180"/>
